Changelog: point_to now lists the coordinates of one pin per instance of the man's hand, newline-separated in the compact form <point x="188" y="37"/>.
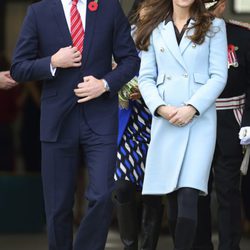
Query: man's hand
<point x="66" y="58"/>
<point x="6" y="81"/>
<point x="89" y="89"/>
<point x="183" y="116"/>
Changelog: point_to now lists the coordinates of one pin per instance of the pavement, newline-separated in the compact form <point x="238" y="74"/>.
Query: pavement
<point x="39" y="242"/>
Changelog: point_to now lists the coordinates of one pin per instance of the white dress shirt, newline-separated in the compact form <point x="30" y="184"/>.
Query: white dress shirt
<point x="82" y="8"/>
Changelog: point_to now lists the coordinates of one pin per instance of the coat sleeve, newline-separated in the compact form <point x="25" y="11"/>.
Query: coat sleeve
<point x="206" y="95"/>
<point x="148" y="78"/>
<point x="26" y="64"/>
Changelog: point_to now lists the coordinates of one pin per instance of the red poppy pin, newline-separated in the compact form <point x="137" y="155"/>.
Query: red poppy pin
<point x="93" y="5"/>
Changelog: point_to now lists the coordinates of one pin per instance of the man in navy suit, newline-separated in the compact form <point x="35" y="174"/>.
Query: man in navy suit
<point x="78" y="108"/>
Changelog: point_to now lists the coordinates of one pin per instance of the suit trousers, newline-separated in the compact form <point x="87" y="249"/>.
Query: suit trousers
<point x="227" y="180"/>
<point x="245" y="187"/>
<point x="59" y="174"/>
<point x="226" y="169"/>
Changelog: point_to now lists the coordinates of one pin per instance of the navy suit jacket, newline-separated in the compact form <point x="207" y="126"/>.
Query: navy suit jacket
<point x="107" y="33"/>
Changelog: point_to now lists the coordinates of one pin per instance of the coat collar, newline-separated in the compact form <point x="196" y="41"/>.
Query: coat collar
<point x="168" y="35"/>
<point x="185" y="41"/>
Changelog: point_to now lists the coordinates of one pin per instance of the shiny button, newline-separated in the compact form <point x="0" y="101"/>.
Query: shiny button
<point x="185" y="75"/>
<point x="193" y="45"/>
<point x="162" y="49"/>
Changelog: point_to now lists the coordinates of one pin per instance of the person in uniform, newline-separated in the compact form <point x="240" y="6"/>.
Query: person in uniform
<point x="233" y="115"/>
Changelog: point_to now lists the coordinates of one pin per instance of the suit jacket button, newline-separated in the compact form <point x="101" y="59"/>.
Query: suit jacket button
<point x="162" y="49"/>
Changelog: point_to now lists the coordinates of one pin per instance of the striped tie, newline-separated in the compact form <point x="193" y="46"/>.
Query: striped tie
<point x="77" y="31"/>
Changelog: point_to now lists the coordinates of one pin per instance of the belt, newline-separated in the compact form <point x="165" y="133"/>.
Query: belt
<point x="235" y="102"/>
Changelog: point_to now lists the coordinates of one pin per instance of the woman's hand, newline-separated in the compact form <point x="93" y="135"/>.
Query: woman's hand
<point x="183" y="115"/>
<point x="136" y="94"/>
<point x="167" y="111"/>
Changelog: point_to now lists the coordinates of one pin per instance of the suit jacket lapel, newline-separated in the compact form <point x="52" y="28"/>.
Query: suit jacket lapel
<point x="89" y="31"/>
<point x="58" y="12"/>
<point x="168" y="35"/>
<point x="185" y="41"/>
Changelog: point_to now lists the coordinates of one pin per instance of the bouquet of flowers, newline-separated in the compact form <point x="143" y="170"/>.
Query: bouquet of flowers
<point x="126" y="91"/>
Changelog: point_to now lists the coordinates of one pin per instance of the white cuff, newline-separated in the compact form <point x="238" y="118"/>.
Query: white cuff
<point x="106" y="85"/>
<point x="52" y="70"/>
<point x="244" y="135"/>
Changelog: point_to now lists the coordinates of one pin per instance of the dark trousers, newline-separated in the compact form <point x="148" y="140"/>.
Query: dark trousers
<point x="245" y="187"/>
<point x="59" y="173"/>
<point x="226" y="169"/>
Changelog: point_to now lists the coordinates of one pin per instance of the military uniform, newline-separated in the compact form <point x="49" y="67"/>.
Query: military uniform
<point x="233" y="112"/>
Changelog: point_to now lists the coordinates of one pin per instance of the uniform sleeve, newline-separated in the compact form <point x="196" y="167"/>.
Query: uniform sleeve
<point x="246" y="113"/>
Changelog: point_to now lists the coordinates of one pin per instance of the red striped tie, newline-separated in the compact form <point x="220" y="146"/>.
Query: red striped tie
<point x="77" y="31"/>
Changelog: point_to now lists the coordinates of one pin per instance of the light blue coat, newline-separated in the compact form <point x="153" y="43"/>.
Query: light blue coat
<point x="177" y="75"/>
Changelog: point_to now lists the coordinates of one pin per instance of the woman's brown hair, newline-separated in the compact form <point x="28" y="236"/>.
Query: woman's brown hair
<point x="133" y="15"/>
<point x="159" y="10"/>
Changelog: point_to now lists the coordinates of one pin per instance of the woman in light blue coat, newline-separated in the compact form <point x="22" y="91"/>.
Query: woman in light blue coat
<point x="183" y="71"/>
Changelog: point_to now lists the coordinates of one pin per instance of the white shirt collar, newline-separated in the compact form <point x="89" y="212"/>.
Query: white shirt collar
<point x="69" y="2"/>
<point x="81" y="6"/>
